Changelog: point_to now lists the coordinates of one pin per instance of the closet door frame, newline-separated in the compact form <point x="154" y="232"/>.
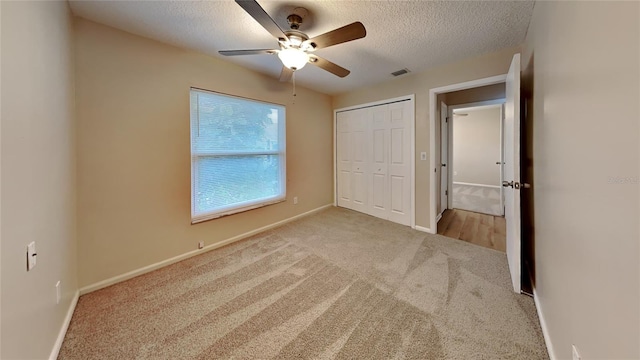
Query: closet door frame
<point x="412" y="127"/>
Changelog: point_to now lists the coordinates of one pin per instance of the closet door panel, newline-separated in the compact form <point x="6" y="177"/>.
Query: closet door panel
<point x="343" y="157"/>
<point x="379" y="150"/>
<point x="359" y="165"/>
<point x="399" y="164"/>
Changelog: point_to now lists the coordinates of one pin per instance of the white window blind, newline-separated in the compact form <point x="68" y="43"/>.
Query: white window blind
<point x="237" y="154"/>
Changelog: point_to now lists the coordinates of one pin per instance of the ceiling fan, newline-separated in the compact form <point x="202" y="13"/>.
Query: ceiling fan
<point x="296" y="48"/>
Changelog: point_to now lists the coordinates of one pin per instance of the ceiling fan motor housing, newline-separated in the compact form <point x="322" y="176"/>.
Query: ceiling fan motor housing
<point x="294" y="21"/>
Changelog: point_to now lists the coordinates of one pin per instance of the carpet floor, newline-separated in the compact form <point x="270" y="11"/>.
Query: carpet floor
<point x="334" y="285"/>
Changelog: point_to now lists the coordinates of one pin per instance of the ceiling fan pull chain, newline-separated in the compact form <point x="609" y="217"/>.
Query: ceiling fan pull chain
<point x="294" y="83"/>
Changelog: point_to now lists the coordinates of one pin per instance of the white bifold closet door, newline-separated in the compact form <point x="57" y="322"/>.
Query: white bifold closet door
<point x="373" y="155"/>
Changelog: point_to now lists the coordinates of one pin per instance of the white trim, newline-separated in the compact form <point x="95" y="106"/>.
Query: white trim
<point x="433" y="93"/>
<point x="374" y="103"/>
<point x="424" y="229"/>
<point x="412" y="99"/>
<point x="480" y="105"/>
<point x="335" y="158"/>
<point x="65" y="326"/>
<point x="543" y="326"/>
<point x="473" y="184"/>
<point x="131" y="274"/>
<point x="439" y="216"/>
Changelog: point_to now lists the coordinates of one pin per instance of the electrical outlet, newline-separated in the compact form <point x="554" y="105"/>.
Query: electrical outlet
<point x="201" y="245"/>
<point x="295" y="200"/>
<point x="574" y="353"/>
<point x="31" y="255"/>
<point x="58" y="292"/>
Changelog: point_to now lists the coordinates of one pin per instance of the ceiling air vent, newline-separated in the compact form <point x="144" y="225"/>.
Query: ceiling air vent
<point x="400" y="72"/>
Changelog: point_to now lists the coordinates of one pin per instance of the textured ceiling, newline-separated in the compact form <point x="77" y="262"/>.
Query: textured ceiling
<point x="400" y="34"/>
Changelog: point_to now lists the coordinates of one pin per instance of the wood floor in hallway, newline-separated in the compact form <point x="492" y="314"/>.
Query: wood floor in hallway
<point x="480" y="229"/>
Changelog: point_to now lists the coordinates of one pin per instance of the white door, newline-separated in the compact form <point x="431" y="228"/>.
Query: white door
<point x="373" y="154"/>
<point x="379" y="200"/>
<point x="352" y="159"/>
<point x="400" y="162"/>
<point x="344" y="153"/>
<point x="358" y="127"/>
<point x="444" y="157"/>
<point x="512" y="170"/>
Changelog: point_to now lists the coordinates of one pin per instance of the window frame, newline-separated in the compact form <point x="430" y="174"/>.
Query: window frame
<point x="246" y="205"/>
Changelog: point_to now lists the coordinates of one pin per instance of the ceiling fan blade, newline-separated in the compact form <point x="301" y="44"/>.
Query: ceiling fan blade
<point x="329" y="66"/>
<point x="247" y="52"/>
<point x="285" y="75"/>
<point x="257" y="12"/>
<point x="338" y="36"/>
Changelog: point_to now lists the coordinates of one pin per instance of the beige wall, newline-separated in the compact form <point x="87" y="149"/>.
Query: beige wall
<point x="38" y="174"/>
<point x="134" y="158"/>
<point x="419" y="84"/>
<point x="476" y="147"/>
<point x="586" y="115"/>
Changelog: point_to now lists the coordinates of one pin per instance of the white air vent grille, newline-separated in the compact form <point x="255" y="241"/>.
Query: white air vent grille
<point x="400" y="72"/>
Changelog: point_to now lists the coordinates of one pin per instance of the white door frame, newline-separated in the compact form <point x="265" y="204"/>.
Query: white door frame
<point x="445" y="156"/>
<point x="412" y="128"/>
<point x="433" y="94"/>
<point x="479" y="104"/>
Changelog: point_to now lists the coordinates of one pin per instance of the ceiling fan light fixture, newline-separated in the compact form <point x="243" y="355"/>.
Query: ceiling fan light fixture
<point x="294" y="59"/>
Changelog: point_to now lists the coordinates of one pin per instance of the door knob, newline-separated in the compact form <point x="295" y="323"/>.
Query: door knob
<point x="516" y="185"/>
<point x="443" y="165"/>
<point x="499" y="163"/>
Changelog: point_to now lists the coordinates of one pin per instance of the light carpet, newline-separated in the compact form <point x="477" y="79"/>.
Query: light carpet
<point x="334" y="285"/>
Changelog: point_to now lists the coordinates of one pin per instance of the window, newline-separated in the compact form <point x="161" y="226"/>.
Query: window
<point x="237" y="154"/>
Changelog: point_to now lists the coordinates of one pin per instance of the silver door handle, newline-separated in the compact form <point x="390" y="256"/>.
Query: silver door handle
<point x="499" y="163"/>
<point x="516" y="185"/>
<point x="443" y="165"/>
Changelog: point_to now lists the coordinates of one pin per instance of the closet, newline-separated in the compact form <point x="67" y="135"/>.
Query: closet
<point x="373" y="160"/>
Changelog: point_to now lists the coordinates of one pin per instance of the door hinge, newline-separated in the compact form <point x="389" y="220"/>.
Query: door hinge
<point x="446" y="192"/>
<point x="446" y="119"/>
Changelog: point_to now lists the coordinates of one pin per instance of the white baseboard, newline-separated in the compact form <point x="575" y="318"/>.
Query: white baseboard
<point x="478" y="185"/>
<point x="131" y="274"/>
<point x="424" y="229"/>
<point x="65" y="325"/>
<point x="543" y="325"/>
<point x="438" y="217"/>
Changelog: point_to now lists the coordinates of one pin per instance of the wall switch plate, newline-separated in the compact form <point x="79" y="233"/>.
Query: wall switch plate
<point x="58" y="292"/>
<point x="423" y="155"/>
<point x="31" y="255"/>
<point x="295" y="200"/>
<point x="574" y="353"/>
<point x="201" y="245"/>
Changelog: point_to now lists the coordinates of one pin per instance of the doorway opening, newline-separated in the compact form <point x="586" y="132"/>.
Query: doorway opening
<point x="475" y="158"/>
<point x="511" y="166"/>
<point x="471" y="206"/>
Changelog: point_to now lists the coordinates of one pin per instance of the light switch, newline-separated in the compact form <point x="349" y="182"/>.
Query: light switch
<point x="423" y="155"/>
<point x="31" y="255"/>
